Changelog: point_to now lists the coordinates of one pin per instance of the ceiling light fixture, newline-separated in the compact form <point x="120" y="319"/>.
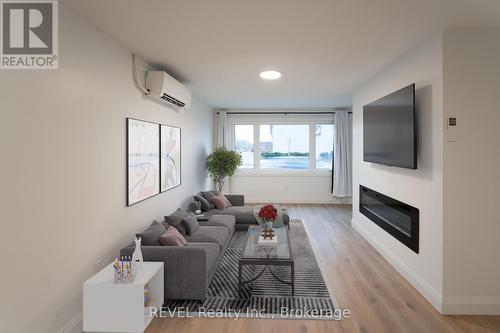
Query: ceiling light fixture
<point x="270" y="75"/>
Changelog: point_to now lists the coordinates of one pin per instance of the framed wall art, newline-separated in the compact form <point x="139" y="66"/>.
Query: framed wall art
<point x="170" y="157"/>
<point x="143" y="160"/>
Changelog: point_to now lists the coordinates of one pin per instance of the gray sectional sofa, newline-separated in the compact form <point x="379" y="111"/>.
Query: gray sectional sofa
<point x="189" y="269"/>
<point x="243" y="214"/>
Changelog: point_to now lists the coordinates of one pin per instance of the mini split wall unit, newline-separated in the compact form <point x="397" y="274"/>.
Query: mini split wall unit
<point x="164" y="87"/>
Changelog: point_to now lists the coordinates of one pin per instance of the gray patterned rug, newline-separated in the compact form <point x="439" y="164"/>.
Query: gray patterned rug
<point x="265" y="297"/>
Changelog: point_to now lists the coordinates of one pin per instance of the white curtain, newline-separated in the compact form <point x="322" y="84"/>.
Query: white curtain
<point x="221" y="129"/>
<point x="342" y="157"/>
<point x="222" y="138"/>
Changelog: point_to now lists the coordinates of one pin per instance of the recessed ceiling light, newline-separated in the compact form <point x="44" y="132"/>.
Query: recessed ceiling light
<point x="270" y="75"/>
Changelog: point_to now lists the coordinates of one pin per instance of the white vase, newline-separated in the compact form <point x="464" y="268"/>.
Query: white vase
<point x="137" y="256"/>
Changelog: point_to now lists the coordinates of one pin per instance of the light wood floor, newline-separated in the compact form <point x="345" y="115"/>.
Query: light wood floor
<point x="379" y="298"/>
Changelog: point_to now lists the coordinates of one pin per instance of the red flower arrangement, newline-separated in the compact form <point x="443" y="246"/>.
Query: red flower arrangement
<point x="268" y="213"/>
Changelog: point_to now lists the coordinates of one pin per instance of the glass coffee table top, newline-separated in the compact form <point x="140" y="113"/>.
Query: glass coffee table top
<point x="279" y="251"/>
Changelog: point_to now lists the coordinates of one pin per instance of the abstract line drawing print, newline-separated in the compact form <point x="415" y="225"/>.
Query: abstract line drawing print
<point x="170" y="148"/>
<point x="143" y="159"/>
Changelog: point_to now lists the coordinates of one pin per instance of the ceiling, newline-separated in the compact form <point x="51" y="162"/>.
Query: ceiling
<point x="324" y="48"/>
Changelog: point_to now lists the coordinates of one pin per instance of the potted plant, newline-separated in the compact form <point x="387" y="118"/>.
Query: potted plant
<point x="221" y="164"/>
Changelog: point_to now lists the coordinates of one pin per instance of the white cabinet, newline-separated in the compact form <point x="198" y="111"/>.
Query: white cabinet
<point x="114" y="307"/>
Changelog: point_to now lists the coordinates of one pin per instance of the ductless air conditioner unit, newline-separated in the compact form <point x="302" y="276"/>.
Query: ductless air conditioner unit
<point x="163" y="86"/>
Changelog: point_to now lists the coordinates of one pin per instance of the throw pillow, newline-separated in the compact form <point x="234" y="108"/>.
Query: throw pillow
<point x="172" y="237"/>
<point x="193" y="206"/>
<point x="208" y="195"/>
<point x="205" y="205"/>
<point x="190" y="223"/>
<point x="151" y="235"/>
<point x="226" y="200"/>
<point x="221" y="202"/>
<point x="175" y="220"/>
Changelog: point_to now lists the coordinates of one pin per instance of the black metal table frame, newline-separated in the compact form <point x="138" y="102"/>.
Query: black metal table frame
<point x="267" y="262"/>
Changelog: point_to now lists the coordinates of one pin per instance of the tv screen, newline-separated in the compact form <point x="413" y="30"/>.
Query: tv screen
<point x="389" y="133"/>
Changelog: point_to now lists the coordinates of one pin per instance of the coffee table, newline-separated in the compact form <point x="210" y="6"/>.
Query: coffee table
<point x="267" y="256"/>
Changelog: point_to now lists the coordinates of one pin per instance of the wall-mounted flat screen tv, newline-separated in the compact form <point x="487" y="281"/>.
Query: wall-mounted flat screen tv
<point x="389" y="130"/>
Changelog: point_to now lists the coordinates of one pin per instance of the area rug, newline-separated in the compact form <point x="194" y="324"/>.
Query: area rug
<point x="265" y="297"/>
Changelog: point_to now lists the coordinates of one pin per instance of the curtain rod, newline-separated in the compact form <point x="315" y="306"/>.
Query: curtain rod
<point x="282" y="113"/>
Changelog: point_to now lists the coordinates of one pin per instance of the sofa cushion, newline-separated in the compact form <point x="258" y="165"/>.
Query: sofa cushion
<point x="243" y="214"/>
<point x="220" y="201"/>
<point x="190" y="224"/>
<point x="152" y="234"/>
<point x="172" y="237"/>
<point x="212" y="252"/>
<point x="236" y="199"/>
<point x="227" y="221"/>
<point x="210" y="234"/>
<point x="205" y="205"/>
<point x="175" y="220"/>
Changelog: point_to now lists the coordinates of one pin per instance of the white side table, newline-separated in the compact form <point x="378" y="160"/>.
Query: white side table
<point x="117" y="307"/>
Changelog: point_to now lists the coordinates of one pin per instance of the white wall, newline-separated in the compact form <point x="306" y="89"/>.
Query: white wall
<point x="62" y="138"/>
<point x="279" y="187"/>
<point x="421" y="188"/>
<point x="471" y="172"/>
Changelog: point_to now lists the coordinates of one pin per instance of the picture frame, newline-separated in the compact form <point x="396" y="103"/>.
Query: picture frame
<point x="170" y="157"/>
<point x="143" y="160"/>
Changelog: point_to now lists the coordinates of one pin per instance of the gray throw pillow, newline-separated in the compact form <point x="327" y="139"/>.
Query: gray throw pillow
<point x="175" y="220"/>
<point x="205" y="205"/>
<point x="193" y="206"/>
<point x="208" y="195"/>
<point x="152" y="234"/>
<point x="190" y="223"/>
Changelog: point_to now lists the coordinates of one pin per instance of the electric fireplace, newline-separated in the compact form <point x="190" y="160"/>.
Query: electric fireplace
<point x="397" y="218"/>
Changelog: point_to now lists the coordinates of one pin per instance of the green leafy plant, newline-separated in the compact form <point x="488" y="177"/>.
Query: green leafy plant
<point x="222" y="163"/>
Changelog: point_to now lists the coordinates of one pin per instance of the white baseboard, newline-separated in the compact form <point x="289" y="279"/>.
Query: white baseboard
<point x="446" y="305"/>
<point x="471" y="305"/>
<point x="432" y="295"/>
<point x="304" y="200"/>
<point x="75" y="325"/>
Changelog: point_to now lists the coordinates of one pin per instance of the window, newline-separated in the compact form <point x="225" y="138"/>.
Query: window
<point x="324" y="134"/>
<point x="284" y="146"/>
<point x="283" y="142"/>
<point x="243" y="143"/>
